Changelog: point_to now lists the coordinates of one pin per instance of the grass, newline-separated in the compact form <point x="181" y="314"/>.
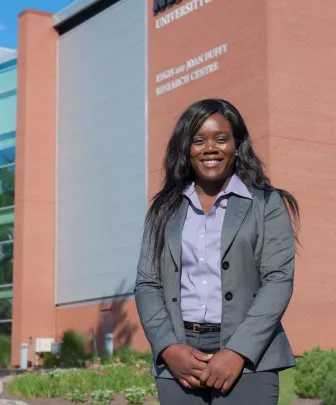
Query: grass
<point x="127" y="372"/>
<point x="286" y="387"/>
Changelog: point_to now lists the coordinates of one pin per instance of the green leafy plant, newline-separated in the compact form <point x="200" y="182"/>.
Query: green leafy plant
<point x="135" y="395"/>
<point x="51" y="360"/>
<point x="5" y="351"/>
<point x="151" y="390"/>
<point x="101" y="397"/>
<point x="59" y="383"/>
<point x="127" y="356"/>
<point x="76" y="396"/>
<point x="312" y="371"/>
<point x="106" y="359"/>
<point x="72" y="349"/>
<point x="329" y="389"/>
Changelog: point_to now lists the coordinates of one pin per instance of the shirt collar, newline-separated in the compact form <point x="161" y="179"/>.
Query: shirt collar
<point x="235" y="186"/>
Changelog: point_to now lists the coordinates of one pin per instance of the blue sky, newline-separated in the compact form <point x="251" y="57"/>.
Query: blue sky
<point x="9" y="11"/>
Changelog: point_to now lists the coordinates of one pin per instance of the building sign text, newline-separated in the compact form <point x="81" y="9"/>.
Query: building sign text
<point x="178" y="12"/>
<point x="193" y="69"/>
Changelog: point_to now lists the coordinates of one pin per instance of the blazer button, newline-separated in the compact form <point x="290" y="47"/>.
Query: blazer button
<point x="228" y="296"/>
<point x="225" y="265"/>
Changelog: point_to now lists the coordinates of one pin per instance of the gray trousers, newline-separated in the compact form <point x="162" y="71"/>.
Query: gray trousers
<point x="260" y="388"/>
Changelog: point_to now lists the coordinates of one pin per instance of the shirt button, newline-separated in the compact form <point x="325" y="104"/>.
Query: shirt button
<point x="202" y="259"/>
<point x="202" y="236"/>
<point x="204" y="281"/>
<point x="203" y="306"/>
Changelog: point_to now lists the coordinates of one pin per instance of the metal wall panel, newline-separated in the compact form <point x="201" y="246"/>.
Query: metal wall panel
<point x="101" y="154"/>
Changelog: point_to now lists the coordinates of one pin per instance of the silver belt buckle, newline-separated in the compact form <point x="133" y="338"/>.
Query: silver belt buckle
<point x="196" y="327"/>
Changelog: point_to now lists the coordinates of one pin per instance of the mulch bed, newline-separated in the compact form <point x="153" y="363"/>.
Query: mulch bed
<point x="118" y="400"/>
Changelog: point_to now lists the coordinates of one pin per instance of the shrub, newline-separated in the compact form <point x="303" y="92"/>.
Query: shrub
<point x="76" y="396"/>
<point x="312" y="371"/>
<point x="5" y="351"/>
<point x="128" y="356"/>
<point x="51" y="360"/>
<point x="329" y="389"/>
<point x="101" y="397"/>
<point x="151" y="390"/>
<point x="135" y="395"/>
<point x="106" y="358"/>
<point x="72" y="349"/>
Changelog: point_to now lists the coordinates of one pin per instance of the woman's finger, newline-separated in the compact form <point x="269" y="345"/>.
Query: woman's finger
<point x="226" y="386"/>
<point x="193" y="381"/>
<point x="210" y="382"/>
<point x="205" y="375"/>
<point x="200" y="355"/>
<point x="185" y="383"/>
<point x="196" y="372"/>
<point x="219" y="383"/>
<point x="198" y="364"/>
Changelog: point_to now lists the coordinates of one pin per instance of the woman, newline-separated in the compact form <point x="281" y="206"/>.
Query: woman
<point x="215" y="273"/>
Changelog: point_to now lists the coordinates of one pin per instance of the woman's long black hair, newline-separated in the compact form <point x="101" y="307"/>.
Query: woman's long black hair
<point x="179" y="173"/>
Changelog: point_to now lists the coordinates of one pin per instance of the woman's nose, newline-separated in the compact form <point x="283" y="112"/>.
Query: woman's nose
<point x="210" y="146"/>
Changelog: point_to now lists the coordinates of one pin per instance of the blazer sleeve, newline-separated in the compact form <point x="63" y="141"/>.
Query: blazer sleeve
<point x="150" y="303"/>
<point x="255" y="333"/>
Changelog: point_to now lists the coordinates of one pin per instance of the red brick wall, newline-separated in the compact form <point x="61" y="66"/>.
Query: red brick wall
<point x="121" y="318"/>
<point x="280" y="72"/>
<point x="302" y="98"/>
<point x="241" y="77"/>
<point x="34" y="256"/>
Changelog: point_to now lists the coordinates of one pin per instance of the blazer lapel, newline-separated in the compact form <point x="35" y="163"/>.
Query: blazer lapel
<point x="236" y="211"/>
<point x="174" y="232"/>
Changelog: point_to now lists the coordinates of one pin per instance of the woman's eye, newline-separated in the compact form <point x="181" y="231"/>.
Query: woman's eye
<point x="222" y="139"/>
<point x="198" y="141"/>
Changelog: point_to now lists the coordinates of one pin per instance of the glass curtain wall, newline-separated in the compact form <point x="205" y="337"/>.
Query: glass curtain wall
<point x="8" y="73"/>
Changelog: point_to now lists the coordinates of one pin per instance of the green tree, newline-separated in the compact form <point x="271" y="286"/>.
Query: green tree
<point x="6" y="263"/>
<point x="7" y="185"/>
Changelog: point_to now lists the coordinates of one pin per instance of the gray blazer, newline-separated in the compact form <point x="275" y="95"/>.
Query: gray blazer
<point x="258" y="244"/>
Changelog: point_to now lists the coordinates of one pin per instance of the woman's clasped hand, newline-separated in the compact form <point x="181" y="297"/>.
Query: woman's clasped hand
<point x="195" y="369"/>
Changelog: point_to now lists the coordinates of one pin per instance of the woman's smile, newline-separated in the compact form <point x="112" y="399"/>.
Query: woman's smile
<point x="211" y="163"/>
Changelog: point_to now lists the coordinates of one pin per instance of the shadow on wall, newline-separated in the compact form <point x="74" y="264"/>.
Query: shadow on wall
<point x="116" y="317"/>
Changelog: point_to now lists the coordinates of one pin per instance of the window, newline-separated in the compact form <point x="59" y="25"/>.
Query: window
<point x="8" y="98"/>
<point x="6" y="294"/>
<point x="7" y="148"/>
<point x="6" y="224"/>
<point x="7" y="183"/>
<point x="6" y="328"/>
<point x="6" y="263"/>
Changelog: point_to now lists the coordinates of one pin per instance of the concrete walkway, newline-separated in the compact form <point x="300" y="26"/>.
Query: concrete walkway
<point x="4" y="380"/>
<point x="8" y="401"/>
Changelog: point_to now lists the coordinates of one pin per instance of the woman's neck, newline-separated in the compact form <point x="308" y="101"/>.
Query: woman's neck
<point x="211" y="189"/>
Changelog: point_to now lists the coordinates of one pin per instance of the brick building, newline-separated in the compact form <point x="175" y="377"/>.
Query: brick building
<point x="100" y="85"/>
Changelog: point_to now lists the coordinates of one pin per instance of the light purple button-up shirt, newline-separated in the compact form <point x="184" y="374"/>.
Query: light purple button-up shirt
<point x="201" y="289"/>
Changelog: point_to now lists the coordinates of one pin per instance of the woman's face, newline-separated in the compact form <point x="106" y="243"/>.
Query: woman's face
<point x="213" y="150"/>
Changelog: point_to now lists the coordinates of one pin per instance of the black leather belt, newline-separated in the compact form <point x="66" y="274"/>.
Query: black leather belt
<point x="202" y="327"/>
